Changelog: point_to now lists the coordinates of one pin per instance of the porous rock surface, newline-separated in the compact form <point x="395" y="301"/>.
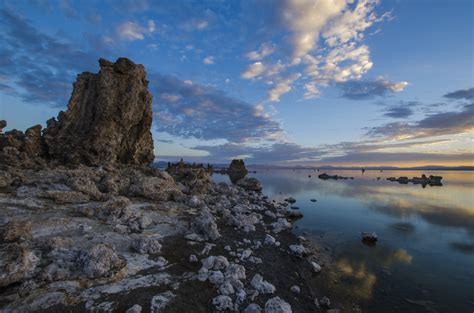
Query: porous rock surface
<point x="108" y="118"/>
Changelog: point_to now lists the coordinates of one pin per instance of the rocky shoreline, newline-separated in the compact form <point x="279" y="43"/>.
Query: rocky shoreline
<point x="87" y="225"/>
<point x="70" y="248"/>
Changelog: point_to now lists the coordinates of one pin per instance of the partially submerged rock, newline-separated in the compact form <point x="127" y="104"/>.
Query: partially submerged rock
<point x="325" y="176"/>
<point x="250" y="183"/>
<point x="237" y="170"/>
<point x="369" y="237"/>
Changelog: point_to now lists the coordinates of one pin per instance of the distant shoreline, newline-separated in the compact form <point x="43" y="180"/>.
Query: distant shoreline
<point x="367" y="169"/>
<point x="341" y="168"/>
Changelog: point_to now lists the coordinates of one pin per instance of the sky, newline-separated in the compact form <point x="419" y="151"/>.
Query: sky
<point x="296" y="82"/>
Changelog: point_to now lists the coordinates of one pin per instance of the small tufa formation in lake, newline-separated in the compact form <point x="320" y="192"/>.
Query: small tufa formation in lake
<point x="237" y="170"/>
<point x="86" y="224"/>
<point x="423" y="180"/>
<point x="325" y="176"/>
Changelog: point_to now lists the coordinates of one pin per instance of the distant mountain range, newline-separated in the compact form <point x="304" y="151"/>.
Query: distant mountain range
<point x="163" y="164"/>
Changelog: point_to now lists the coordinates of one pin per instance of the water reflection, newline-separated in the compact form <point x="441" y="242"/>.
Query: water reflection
<point x="467" y="248"/>
<point x="403" y="228"/>
<point x="450" y="205"/>
<point x="423" y="259"/>
<point x="356" y="272"/>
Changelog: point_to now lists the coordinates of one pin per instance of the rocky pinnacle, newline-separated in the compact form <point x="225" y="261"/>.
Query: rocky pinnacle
<point x="108" y="118"/>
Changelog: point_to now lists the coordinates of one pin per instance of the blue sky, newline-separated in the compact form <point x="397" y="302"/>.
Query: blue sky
<point x="340" y="82"/>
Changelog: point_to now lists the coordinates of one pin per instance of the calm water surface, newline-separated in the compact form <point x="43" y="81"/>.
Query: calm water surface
<point x="424" y="260"/>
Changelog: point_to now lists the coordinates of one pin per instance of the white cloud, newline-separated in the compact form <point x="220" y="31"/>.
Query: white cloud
<point x="208" y="60"/>
<point x="195" y="24"/>
<point x="253" y="70"/>
<point x="200" y="24"/>
<point x="351" y="24"/>
<point x="153" y="46"/>
<point x="311" y="91"/>
<point x="171" y="98"/>
<point x="132" y="31"/>
<point x="324" y="37"/>
<point x="281" y="87"/>
<point x="306" y="18"/>
<point x="151" y="26"/>
<point x="264" y="50"/>
<point x="396" y="87"/>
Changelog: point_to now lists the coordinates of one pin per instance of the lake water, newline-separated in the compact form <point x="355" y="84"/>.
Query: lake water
<point x="424" y="259"/>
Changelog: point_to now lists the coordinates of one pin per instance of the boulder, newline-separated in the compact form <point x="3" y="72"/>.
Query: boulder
<point x="148" y="245"/>
<point x="205" y="225"/>
<point x="99" y="261"/>
<point x="250" y="183"/>
<point x="222" y="303"/>
<point x="277" y="305"/>
<point x="262" y="286"/>
<point x="108" y="118"/>
<point x="253" y="308"/>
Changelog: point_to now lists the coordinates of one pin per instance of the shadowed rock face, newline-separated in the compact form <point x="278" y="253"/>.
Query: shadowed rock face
<point x="108" y="118"/>
<point x="237" y="170"/>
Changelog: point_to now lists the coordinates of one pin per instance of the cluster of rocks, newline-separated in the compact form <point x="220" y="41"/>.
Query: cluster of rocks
<point x="181" y="165"/>
<point x="325" y="176"/>
<point x="423" y="180"/>
<point x="87" y="225"/>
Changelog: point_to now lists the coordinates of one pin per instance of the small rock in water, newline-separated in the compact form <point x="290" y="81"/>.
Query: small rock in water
<point x="290" y="200"/>
<point x="313" y="200"/>
<point x="295" y="289"/>
<point x="193" y="258"/>
<point x="294" y="214"/>
<point x="295" y="208"/>
<point x="369" y="237"/>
